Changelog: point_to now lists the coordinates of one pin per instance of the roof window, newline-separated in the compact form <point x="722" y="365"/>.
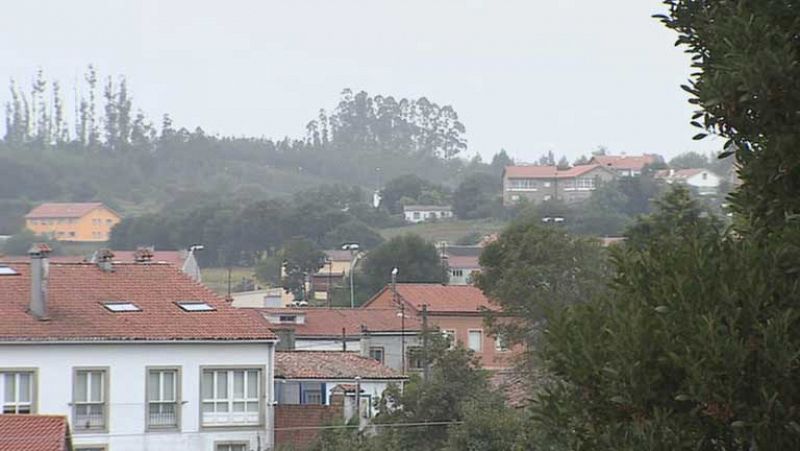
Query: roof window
<point x="6" y="271"/>
<point x="121" y="307"/>
<point x="195" y="306"/>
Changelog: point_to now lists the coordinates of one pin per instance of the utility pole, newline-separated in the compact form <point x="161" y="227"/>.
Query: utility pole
<point x="397" y="302"/>
<point x="426" y="368"/>
<point x="344" y="340"/>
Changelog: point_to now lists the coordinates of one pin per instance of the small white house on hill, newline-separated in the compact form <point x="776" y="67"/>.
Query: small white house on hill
<point x="421" y="213"/>
<point x="704" y="181"/>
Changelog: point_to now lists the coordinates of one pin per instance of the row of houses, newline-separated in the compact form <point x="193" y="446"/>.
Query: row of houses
<point x="535" y="183"/>
<point x="138" y="355"/>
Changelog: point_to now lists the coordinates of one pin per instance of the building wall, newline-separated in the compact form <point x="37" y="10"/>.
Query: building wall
<point x="704" y="185"/>
<point x="461" y="275"/>
<point x="392" y="345"/>
<point x="95" y="226"/>
<point x="490" y="358"/>
<point x="565" y="189"/>
<point x="126" y="365"/>
<point x="291" y="422"/>
<point x="538" y="191"/>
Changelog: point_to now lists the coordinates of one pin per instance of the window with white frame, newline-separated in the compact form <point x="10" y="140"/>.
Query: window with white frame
<point x="16" y="391"/>
<point x="232" y="447"/>
<point x="89" y="399"/>
<point x="584" y="183"/>
<point x="312" y="396"/>
<point x="162" y="398"/>
<point x="475" y="340"/>
<point x="231" y="397"/>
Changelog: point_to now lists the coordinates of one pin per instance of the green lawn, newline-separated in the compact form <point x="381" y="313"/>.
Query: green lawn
<point x="449" y="231"/>
<point x="217" y="278"/>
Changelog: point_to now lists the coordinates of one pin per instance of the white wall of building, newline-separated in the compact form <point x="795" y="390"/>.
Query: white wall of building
<point x="706" y="182"/>
<point x="426" y="215"/>
<point x="126" y="363"/>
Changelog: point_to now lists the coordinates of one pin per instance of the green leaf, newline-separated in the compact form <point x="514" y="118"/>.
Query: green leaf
<point x="699" y="136"/>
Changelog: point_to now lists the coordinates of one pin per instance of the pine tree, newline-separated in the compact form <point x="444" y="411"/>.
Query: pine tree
<point x="123" y="108"/>
<point x="111" y="122"/>
<point x="90" y="123"/>
<point x="59" y="126"/>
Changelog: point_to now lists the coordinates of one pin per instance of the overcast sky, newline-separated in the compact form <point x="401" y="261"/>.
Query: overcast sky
<point x="524" y="75"/>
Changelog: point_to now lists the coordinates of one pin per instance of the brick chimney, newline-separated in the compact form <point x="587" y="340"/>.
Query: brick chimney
<point x="39" y="272"/>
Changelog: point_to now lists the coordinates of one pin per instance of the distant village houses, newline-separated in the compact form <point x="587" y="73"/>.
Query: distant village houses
<point x="703" y="181"/>
<point x="422" y="213"/>
<point x="542" y="183"/>
<point x="79" y="222"/>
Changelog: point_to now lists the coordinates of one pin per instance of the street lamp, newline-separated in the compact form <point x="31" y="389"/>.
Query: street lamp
<point x="353" y="248"/>
<point x="402" y="306"/>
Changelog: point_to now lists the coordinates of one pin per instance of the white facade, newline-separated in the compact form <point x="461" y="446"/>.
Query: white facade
<point x="706" y="182"/>
<point x="424" y="213"/>
<point x="126" y="369"/>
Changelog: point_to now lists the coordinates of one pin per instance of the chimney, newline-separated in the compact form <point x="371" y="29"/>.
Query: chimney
<point x="104" y="260"/>
<point x="144" y="254"/>
<point x="671" y="172"/>
<point x="39" y="272"/>
<point x="365" y="341"/>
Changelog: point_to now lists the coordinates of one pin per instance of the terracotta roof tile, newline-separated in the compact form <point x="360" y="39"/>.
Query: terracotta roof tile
<point x="63" y="210"/>
<point x="329" y="365"/>
<point x="633" y="162"/>
<point x="461" y="261"/>
<point x="439" y="298"/>
<point x="34" y="433"/>
<point x="548" y="172"/>
<point x="324" y="322"/>
<point x="77" y="291"/>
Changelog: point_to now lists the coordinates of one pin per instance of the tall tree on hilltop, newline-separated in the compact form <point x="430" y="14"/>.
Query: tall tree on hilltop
<point x="92" y="137"/>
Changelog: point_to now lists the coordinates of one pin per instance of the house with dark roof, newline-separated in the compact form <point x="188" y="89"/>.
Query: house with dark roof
<point x="541" y="183"/>
<point x="458" y="311"/>
<point x="35" y="433"/>
<point x="137" y="355"/>
<point x="80" y="222"/>
<point x="379" y="334"/>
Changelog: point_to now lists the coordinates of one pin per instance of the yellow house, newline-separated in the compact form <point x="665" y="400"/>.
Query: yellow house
<point x="90" y="221"/>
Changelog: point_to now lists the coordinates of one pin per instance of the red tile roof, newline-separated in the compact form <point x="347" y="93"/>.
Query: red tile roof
<point x="439" y="298"/>
<point x="514" y="386"/>
<point x="463" y="261"/>
<point x="338" y="255"/>
<point x="325" y="322"/>
<point x="548" y="172"/>
<point x="632" y="162"/>
<point x="330" y="365"/>
<point x="63" y="210"/>
<point x="34" y="433"/>
<point x="77" y="291"/>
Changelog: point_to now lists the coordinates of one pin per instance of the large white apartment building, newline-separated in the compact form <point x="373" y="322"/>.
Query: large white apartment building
<point x="137" y="355"/>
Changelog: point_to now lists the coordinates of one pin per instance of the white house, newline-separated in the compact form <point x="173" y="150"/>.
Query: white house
<point x="421" y="213"/>
<point x="702" y="180"/>
<point x="137" y="355"/>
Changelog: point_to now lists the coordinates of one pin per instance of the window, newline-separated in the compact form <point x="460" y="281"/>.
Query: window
<point x="377" y="353"/>
<point x="584" y="183"/>
<point x="6" y="271"/>
<point x="121" y="307"/>
<point x="163" y="398"/>
<point x="231" y="397"/>
<point x="232" y="447"/>
<point x="500" y="343"/>
<point x="195" y="306"/>
<point x="476" y="340"/>
<point x="89" y="399"/>
<point x="16" y="391"/>
<point x="457" y="272"/>
<point x="416" y="215"/>
<point x="312" y="397"/>
<point x="523" y="184"/>
<point x="450" y="336"/>
<point x="415" y="360"/>
<point x="287" y="318"/>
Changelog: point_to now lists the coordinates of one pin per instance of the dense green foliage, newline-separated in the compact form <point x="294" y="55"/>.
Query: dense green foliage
<point x="415" y="259"/>
<point x="20" y="243"/>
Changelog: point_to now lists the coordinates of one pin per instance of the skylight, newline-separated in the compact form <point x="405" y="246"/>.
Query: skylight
<point x="6" y="271"/>
<point x="121" y="307"/>
<point x="195" y="306"/>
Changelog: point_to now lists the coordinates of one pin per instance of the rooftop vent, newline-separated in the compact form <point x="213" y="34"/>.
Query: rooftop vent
<point x="121" y="307"/>
<point x="104" y="259"/>
<point x="195" y="306"/>
<point x="144" y="254"/>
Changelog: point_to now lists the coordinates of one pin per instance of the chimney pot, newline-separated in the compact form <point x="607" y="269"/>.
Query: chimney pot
<point x="144" y="255"/>
<point x="105" y="259"/>
<point x="39" y="273"/>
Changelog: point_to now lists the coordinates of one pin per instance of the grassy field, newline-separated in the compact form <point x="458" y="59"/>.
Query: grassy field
<point x="217" y="278"/>
<point x="449" y="231"/>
